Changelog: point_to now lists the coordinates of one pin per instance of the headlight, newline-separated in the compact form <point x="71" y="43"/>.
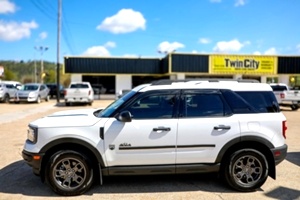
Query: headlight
<point x="32" y="94"/>
<point x="32" y="134"/>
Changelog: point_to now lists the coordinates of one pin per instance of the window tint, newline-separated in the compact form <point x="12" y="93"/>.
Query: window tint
<point x="237" y="103"/>
<point x="200" y="105"/>
<point x="278" y="88"/>
<point x="79" y="85"/>
<point x="153" y="106"/>
<point x="262" y="101"/>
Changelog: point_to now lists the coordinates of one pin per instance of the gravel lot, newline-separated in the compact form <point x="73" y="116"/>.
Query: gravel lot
<point x="18" y="182"/>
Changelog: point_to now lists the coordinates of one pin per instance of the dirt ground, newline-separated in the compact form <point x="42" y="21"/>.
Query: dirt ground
<point x="18" y="182"/>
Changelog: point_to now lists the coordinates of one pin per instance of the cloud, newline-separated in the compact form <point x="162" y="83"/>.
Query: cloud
<point x="125" y="21"/>
<point x="215" y="1"/>
<point x="256" y="53"/>
<point x="110" y="44"/>
<point x="204" y="41"/>
<point x="12" y="31"/>
<point x="96" y="51"/>
<point x="166" y="47"/>
<point x="230" y="46"/>
<point x="43" y="35"/>
<point x="271" y="51"/>
<point x="239" y="3"/>
<point x="7" y="7"/>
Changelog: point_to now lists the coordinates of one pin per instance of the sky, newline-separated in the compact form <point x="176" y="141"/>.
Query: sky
<point x="149" y="28"/>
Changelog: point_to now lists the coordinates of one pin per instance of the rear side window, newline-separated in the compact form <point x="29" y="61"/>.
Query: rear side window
<point x="278" y="88"/>
<point x="262" y="101"/>
<point x="203" y="103"/>
<point x="237" y="103"/>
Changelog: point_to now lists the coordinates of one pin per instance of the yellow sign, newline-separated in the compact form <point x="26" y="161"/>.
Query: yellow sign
<point x="234" y="64"/>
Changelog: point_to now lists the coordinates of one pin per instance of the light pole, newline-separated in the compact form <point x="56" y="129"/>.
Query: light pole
<point x="41" y="49"/>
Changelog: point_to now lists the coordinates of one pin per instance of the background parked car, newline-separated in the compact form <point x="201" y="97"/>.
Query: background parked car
<point x="7" y="92"/>
<point x="32" y="92"/>
<point x="53" y="90"/>
<point x="16" y="84"/>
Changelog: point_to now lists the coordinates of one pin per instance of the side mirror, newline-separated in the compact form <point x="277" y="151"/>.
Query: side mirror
<point x="124" y="116"/>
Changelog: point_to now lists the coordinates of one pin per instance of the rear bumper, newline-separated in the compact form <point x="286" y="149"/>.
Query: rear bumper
<point x="279" y="153"/>
<point x="78" y="100"/>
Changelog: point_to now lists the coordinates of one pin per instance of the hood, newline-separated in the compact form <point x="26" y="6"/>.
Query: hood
<point x="69" y="118"/>
<point x="22" y="92"/>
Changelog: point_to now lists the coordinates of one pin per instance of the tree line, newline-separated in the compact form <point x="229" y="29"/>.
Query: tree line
<point x="30" y="72"/>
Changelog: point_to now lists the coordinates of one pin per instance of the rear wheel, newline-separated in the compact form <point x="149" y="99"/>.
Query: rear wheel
<point x="69" y="173"/>
<point x="246" y="170"/>
<point x="294" y="107"/>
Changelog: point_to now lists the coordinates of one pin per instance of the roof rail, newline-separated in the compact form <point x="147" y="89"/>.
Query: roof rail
<point x="169" y="82"/>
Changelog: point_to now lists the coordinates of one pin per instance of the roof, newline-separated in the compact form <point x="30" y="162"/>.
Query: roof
<point x="236" y="85"/>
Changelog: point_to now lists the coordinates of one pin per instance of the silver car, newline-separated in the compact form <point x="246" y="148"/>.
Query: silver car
<point x="7" y="92"/>
<point x="32" y="92"/>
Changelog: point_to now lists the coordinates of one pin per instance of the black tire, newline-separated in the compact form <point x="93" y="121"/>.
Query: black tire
<point x="69" y="173"/>
<point x="246" y="170"/>
<point x="38" y="99"/>
<point x="6" y="98"/>
<point x="294" y="107"/>
<point x="68" y="104"/>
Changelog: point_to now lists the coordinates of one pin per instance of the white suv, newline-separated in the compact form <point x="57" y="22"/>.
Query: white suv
<point x="167" y="127"/>
<point x="7" y="92"/>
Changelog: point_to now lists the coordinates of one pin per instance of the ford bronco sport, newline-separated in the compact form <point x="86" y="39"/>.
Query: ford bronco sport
<point x="234" y="128"/>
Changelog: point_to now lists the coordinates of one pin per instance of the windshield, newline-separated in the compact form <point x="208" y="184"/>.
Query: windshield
<point x="116" y="104"/>
<point x="29" y="87"/>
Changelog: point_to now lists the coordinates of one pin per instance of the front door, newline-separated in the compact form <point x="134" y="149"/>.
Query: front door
<point x="149" y="139"/>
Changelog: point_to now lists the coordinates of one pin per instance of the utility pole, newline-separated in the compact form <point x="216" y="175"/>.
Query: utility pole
<point x="41" y="49"/>
<point x="58" y="50"/>
<point x="34" y="76"/>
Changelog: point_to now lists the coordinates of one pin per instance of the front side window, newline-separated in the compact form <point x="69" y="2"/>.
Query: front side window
<point x="153" y="106"/>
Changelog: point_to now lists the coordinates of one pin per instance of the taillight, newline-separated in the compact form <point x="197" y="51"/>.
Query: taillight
<point x="284" y="128"/>
<point x="282" y="95"/>
<point x="90" y="92"/>
<point x="65" y="92"/>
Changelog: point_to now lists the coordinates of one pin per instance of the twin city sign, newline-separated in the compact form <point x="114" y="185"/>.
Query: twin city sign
<point x="235" y="64"/>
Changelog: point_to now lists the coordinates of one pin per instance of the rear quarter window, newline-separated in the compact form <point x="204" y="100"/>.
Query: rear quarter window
<point x="262" y="101"/>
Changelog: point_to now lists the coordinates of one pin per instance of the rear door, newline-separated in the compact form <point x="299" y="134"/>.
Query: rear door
<point x="205" y="126"/>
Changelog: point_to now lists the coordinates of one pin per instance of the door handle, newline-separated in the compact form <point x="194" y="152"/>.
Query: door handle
<point x="222" y="127"/>
<point x="161" y="129"/>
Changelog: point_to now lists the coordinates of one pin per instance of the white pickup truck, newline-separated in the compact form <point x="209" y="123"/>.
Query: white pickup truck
<point x="79" y="92"/>
<point x="285" y="96"/>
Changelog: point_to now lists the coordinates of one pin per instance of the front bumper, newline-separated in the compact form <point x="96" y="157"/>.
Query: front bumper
<point x="279" y="153"/>
<point x="34" y="160"/>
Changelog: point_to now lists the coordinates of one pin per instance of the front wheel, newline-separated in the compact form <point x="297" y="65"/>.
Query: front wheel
<point x="38" y="100"/>
<point x="246" y="170"/>
<point x="69" y="173"/>
<point x="6" y="98"/>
